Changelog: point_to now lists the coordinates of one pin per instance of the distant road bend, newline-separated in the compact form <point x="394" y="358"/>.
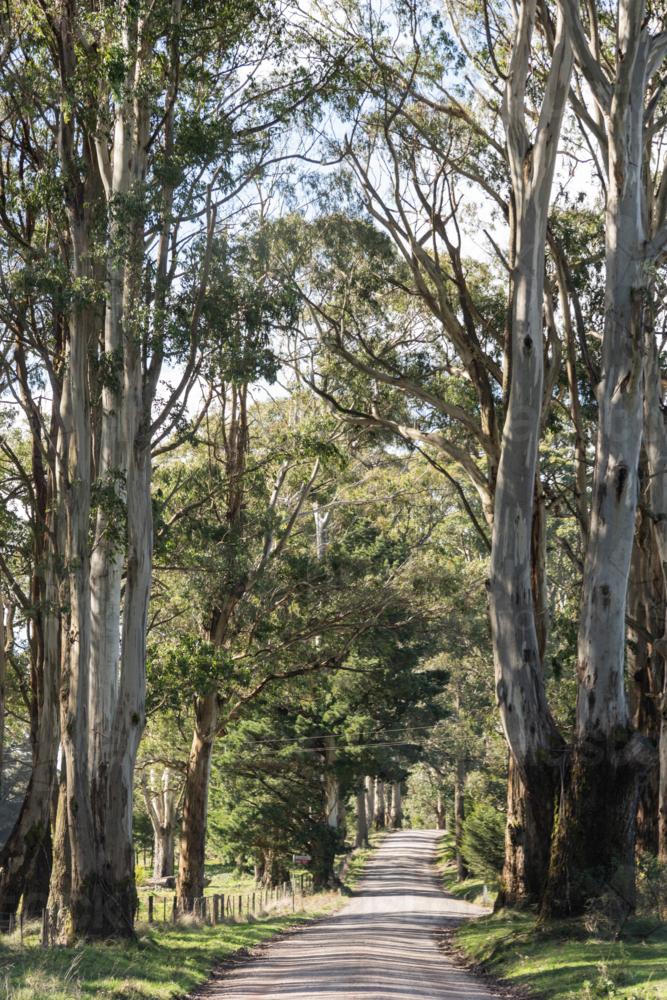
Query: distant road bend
<point x="381" y="946"/>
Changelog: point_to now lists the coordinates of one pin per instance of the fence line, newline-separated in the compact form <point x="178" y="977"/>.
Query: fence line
<point x="207" y="910"/>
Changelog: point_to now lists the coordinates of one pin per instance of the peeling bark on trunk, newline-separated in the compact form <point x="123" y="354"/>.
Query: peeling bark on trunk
<point x="518" y="637"/>
<point x="527" y="845"/>
<point x="611" y="762"/>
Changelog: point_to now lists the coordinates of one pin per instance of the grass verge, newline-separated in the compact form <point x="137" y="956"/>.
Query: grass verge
<point x="471" y="889"/>
<point x="563" y="961"/>
<point x="166" y="961"/>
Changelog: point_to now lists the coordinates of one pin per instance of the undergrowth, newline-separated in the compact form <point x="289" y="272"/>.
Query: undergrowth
<point x="165" y="962"/>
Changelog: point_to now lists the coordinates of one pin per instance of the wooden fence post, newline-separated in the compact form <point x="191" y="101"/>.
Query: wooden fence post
<point x="150" y="909"/>
<point x="173" y="912"/>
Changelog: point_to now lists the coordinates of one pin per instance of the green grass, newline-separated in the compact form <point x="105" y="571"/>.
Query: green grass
<point x="563" y="961"/>
<point x="167" y="960"/>
<point x="472" y="888"/>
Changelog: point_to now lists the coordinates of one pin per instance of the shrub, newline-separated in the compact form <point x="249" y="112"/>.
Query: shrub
<point x="651" y="886"/>
<point x="483" y="843"/>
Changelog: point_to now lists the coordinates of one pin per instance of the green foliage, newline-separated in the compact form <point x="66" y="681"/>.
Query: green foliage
<point x="483" y="843"/>
<point x="564" y="961"/>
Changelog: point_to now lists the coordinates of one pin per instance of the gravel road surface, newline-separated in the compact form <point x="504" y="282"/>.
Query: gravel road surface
<point x="381" y="946"/>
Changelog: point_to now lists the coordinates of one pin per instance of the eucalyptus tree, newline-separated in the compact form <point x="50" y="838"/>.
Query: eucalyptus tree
<point x="602" y="802"/>
<point x="28" y="571"/>
<point x="125" y="132"/>
<point x="398" y="117"/>
<point x="430" y="143"/>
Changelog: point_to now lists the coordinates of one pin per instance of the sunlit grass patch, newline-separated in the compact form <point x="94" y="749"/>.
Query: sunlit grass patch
<point x="563" y="961"/>
<point x="166" y="961"/>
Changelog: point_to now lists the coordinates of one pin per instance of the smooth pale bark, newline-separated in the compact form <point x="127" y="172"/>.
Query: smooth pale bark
<point x="527" y="721"/>
<point x="580" y="488"/>
<point x="107" y="556"/>
<point x="361" y="839"/>
<point x="440" y="814"/>
<point x="459" y="817"/>
<point x="74" y="477"/>
<point x="370" y="800"/>
<point x="161" y="808"/>
<point x="611" y="761"/>
<point x="396" y="806"/>
<point x="322" y="519"/>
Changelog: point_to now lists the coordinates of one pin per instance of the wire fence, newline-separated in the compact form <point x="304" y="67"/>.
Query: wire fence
<point x="206" y="910"/>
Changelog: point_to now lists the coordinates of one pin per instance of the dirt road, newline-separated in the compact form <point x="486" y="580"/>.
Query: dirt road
<point x="381" y="946"/>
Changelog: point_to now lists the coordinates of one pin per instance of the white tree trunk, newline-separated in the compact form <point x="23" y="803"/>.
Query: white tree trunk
<point x="370" y="800"/>
<point x="529" y="727"/>
<point x="161" y="808"/>
<point x="362" y="823"/>
<point x="330" y="783"/>
<point x="396" y="806"/>
<point x="603" y="805"/>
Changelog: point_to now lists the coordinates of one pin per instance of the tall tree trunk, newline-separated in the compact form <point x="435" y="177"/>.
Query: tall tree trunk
<point x="396" y="806"/>
<point x="330" y="783"/>
<point x="361" y="839"/>
<point x="440" y="813"/>
<point x="25" y="860"/>
<point x="459" y="817"/>
<point x="517" y="637"/>
<point x="379" y="817"/>
<point x="655" y="444"/>
<point x="643" y="687"/>
<point x="60" y="890"/>
<point x="370" y="800"/>
<point x="195" y="802"/>
<point x="161" y="809"/>
<point x="597" y="824"/>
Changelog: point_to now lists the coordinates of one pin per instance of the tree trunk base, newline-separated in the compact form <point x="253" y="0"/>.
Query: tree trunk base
<point x="527" y="835"/>
<point x="593" y="851"/>
<point x="102" y="910"/>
